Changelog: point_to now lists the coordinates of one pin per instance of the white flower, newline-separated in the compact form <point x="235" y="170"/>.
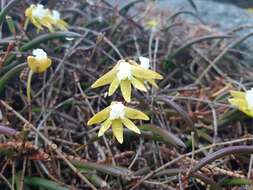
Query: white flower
<point x="39" y="11"/>
<point x="124" y="71"/>
<point x="117" y="111"/>
<point x="56" y="15"/>
<point x="39" y="53"/>
<point x="249" y="97"/>
<point x="144" y="62"/>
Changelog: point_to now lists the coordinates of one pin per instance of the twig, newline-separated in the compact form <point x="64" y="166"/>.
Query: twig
<point x="150" y="174"/>
<point x="50" y="144"/>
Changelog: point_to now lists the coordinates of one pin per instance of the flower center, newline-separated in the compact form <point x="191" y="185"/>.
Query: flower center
<point x="117" y="111"/>
<point x="249" y="97"/>
<point x="144" y="62"/>
<point x="39" y="54"/>
<point x="39" y="11"/>
<point x="56" y="15"/>
<point x="124" y="70"/>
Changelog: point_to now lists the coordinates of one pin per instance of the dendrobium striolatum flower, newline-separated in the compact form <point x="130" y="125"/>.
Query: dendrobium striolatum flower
<point x="38" y="63"/>
<point x="42" y="17"/>
<point x="116" y="115"/>
<point x="127" y="73"/>
<point x="243" y="101"/>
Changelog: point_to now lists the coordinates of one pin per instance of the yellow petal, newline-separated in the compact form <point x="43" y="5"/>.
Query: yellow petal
<point x="38" y="66"/>
<point x="113" y="87"/>
<point x="138" y="84"/>
<point x="36" y="23"/>
<point x="104" y="127"/>
<point x="140" y="72"/>
<point x="135" y="114"/>
<point x="105" y="79"/>
<point x="61" y="24"/>
<point x="238" y="102"/>
<point x="242" y="105"/>
<point x="237" y="94"/>
<point x="125" y="87"/>
<point x="130" y="125"/>
<point x="117" y="129"/>
<point x="100" y="116"/>
<point x="44" y="65"/>
<point x="152" y="82"/>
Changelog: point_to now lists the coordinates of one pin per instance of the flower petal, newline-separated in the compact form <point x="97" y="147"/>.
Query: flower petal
<point x="100" y="116"/>
<point x="105" y="79"/>
<point x="140" y="72"/>
<point x="238" y="102"/>
<point x="152" y="82"/>
<point x="130" y="125"/>
<point x="135" y="114"/>
<point x="36" y="23"/>
<point x="38" y="66"/>
<point x="113" y="87"/>
<point x="138" y="84"/>
<point x="44" y="65"/>
<point x="125" y="87"/>
<point x="237" y="94"/>
<point x="117" y="129"/>
<point x="242" y="105"/>
<point x="104" y="127"/>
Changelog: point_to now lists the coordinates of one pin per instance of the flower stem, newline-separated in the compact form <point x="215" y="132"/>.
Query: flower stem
<point x="28" y="86"/>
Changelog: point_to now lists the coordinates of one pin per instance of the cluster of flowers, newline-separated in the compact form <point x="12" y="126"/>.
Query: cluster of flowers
<point x="42" y="17"/>
<point x="125" y="74"/>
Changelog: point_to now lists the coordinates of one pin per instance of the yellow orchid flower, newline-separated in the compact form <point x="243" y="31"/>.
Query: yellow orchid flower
<point x="152" y="24"/>
<point x="37" y="63"/>
<point x="42" y="17"/>
<point x="39" y="16"/>
<point x="117" y="115"/>
<point x="243" y="101"/>
<point x="123" y="75"/>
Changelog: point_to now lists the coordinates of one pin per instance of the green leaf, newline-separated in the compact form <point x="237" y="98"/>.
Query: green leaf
<point x="9" y="75"/>
<point x="116" y="171"/>
<point x="41" y="39"/>
<point x="11" y="25"/>
<point x="236" y="181"/>
<point x="128" y="6"/>
<point x="163" y="135"/>
<point x="44" y="183"/>
<point x="6" y="9"/>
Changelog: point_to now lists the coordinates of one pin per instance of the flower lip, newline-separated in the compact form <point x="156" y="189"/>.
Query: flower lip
<point x="39" y="11"/>
<point x="249" y="97"/>
<point x="124" y="70"/>
<point x="144" y="62"/>
<point x="117" y="111"/>
<point x="39" y="53"/>
<point x="56" y="15"/>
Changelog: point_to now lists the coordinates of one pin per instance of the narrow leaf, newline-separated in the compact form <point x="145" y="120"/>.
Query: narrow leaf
<point x="43" y="183"/>
<point x="165" y="135"/>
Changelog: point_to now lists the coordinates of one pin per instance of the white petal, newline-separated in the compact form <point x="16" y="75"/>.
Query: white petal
<point x="56" y="15"/>
<point x="144" y="62"/>
<point x="124" y="70"/>
<point x="117" y="110"/>
<point x="249" y="97"/>
<point x="39" y="11"/>
<point x="39" y="53"/>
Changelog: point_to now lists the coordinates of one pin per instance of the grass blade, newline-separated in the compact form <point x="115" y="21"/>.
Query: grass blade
<point x="43" y="183"/>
